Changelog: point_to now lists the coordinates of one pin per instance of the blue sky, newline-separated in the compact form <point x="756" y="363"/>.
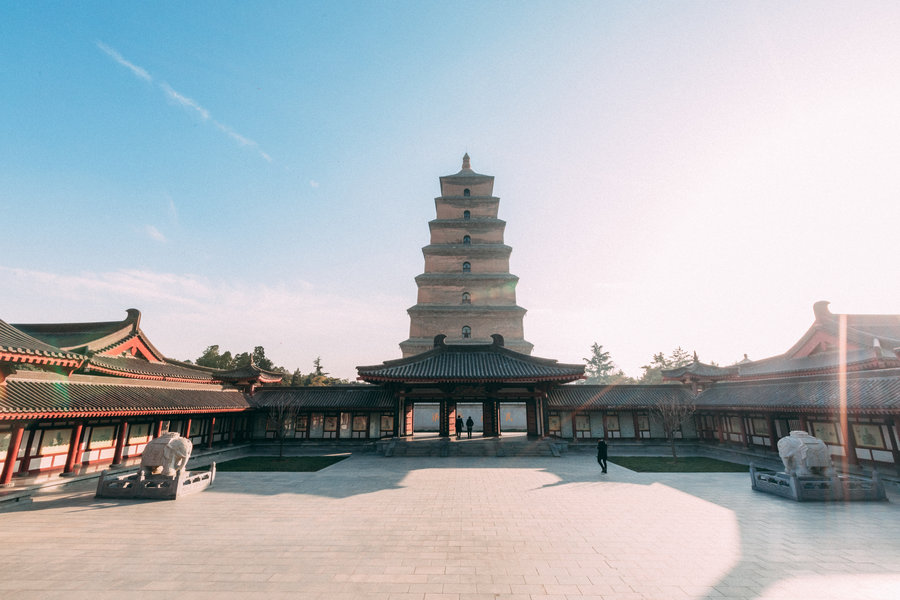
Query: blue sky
<point x="262" y="173"/>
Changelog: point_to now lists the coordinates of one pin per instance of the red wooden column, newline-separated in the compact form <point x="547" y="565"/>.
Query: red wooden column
<point x="531" y="425"/>
<point x="12" y="453"/>
<point x="773" y="433"/>
<point x="74" y="445"/>
<point x="158" y="429"/>
<point x="81" y="445"/>
<point x="26" y="459"/>
<point x="120" y="444"/>
<point x="895" y="447"/>
<point x="451" y="418"/>
<point x="490" y="416"/>
<point x="209" y="437"/>
<point x="850" y="444"/>
<point x="187" y="430"/>
<point x="444" y="412"/>
<point x="745" y="437"/>
<point x="408" y="419"/>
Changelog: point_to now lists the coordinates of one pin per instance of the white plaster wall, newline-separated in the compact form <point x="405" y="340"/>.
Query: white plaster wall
<point x="626" y="424"/>
<point x="596" y="424"/>
<point x="565" y="424"/>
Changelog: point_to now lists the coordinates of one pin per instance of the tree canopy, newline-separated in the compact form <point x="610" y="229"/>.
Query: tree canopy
<point x="211" y="357"/>
<point x="653" y="372"/>
<point x="601" y="370"/>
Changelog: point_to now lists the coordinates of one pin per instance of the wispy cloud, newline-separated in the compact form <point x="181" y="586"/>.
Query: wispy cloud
<point x="313" y="183"/>
<point x="155" y="234"/>
<point x="121" y="60"/>
<point x="184" y="313"/>
<point x="185" y="102"/>
<point x="241" y="139"/>
<point x="172" y="209"/>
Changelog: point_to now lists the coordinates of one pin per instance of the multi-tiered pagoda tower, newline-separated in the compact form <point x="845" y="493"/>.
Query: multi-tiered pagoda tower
<point x="466" y="292"/>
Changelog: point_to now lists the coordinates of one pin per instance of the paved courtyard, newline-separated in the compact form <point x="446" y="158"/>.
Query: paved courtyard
<point x="454" y="529"/>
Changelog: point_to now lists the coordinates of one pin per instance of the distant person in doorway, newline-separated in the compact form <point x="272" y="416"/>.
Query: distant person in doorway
<point x="601" y="454"/>
<point x="459" y="426"/>
<point x="469" y="425"/>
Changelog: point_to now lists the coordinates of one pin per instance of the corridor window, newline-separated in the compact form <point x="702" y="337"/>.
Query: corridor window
<point x="553" y="424"/>
<point x="302" y="423"/>
<point x="582" y="426"/>
<point x="467" y="215"/>
<point x="466" y="331"/>
<point x="467" y="267"/>
<point x="467" y="240"/>
<point x="466" y="298"/>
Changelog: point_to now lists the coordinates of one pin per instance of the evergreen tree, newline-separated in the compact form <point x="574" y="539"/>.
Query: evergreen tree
<point x="653" y="371"/>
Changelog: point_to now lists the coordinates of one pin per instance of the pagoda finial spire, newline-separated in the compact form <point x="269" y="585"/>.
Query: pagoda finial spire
<point x="466" y="161"/>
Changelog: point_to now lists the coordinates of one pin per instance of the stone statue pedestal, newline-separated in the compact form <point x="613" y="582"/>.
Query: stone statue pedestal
<point x="154" y="487"/>
<point x="809" y="475"/>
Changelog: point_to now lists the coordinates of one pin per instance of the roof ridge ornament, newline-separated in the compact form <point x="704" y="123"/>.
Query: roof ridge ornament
<point x="466" y="165"/>
<point x="822" y="312"/>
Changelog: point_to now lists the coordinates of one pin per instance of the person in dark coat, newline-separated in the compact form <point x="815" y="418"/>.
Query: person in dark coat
<point x="601" y="454"/>
<point x="469" y="425"/>
<point x="459" y="426"/>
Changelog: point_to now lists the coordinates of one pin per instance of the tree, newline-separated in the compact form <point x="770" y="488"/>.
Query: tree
<point x="653" y="371"/>
<point x="317" y="364"/>
<point x="212" y="358"/>
<point x="600" y="369"/>
<point x="673" y="410"/>
<point x="260" y="359"/>
<point x="282" y="414"/>
<point x="599" y="366"/>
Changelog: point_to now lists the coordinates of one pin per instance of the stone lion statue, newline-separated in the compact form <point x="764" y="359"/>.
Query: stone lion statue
<point x="804" y="455"/>
<point x="166" y="454"/>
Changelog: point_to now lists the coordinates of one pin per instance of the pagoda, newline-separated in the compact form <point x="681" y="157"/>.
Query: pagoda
<point x="466" y="293"/>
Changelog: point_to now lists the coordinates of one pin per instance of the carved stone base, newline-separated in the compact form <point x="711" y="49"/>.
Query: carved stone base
<point x="817" y="488"/>
<point x="154" y="487"/>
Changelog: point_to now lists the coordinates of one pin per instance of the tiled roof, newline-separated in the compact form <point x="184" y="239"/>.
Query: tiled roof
<point x="871" y="392"/>
<point x="249" y="372"/>
<point x="475" y="362"/>
<point x="143" y="369"/>
<point x="817" y="362"/>
<point x="594" y="397"/>
<point x="466" y="172"/>
<point x="29" y="397"/>
<point x="13" y="341"/>
<point x="325" y="397"/>
<point x="81" y="335"/>
<point x="699" y="369"/>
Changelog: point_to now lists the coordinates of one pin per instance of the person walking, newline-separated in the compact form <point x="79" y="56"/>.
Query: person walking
<point x="469" y="425"/>
<point x="459" y="426"/>
<point x="601" y="454"/>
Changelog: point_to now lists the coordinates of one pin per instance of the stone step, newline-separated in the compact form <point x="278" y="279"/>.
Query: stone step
<point x="486" y="447"/>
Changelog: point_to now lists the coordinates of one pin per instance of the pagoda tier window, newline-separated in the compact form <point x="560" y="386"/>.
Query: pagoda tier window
<point x="467" y="193"/>
<point x="466" y="298"/>
<point x="467" y="267"/>
<point x="466" y="331"/>
<point x="467" y="240"/>
<point x="467" y="215"/>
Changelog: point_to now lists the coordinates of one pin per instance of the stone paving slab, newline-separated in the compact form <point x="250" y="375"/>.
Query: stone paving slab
<point x="454" y="529"/>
